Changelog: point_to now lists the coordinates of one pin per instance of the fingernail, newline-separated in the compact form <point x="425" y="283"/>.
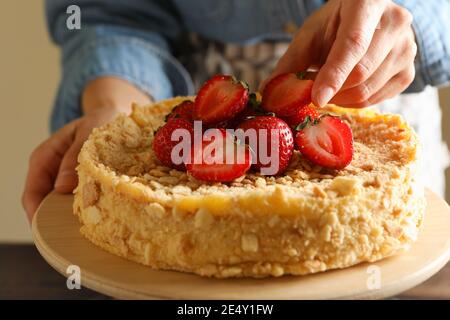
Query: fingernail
<point x="324" y="96"/>
<point x="66" y="178"/>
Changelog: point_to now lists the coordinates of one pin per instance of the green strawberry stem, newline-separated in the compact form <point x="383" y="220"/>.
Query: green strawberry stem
<point x="301" y="75"/>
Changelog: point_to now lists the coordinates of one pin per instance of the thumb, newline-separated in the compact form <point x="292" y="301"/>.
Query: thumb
<point x="67" y="178"/>
<point x="298" y="56"/>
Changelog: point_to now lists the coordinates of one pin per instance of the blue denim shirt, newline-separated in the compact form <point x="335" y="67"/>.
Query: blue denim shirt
<point x="133" y="40"/>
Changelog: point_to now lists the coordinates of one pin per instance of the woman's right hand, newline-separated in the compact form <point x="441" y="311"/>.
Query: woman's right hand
<point x="52" y="164"/>
<point x="365" y="50"/>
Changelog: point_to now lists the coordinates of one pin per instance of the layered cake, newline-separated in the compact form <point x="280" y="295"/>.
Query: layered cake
<point x="307" y="219"/>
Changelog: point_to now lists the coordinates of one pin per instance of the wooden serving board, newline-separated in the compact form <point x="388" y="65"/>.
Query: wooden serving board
<point x="58" y="240"/>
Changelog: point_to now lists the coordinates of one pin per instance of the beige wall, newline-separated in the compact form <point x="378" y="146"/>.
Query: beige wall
<point x="445" y="105"/>
<point x="28" y="79"/>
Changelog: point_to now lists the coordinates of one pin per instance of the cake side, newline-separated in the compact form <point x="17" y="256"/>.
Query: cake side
<point x="306" y="221"/>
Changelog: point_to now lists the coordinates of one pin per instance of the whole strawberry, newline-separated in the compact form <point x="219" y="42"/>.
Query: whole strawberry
<point x="184" y="110"/>
<point x="286" y="93"/>
<point x="273" y="146"/>
<point x="301" y="115"/>
<point x="163" y="144"/>
<point x="220" y="99"/>
<point x="327" y="142"/>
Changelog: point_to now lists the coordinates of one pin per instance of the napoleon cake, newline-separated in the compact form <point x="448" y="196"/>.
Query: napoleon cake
<point x="307" y="219"/>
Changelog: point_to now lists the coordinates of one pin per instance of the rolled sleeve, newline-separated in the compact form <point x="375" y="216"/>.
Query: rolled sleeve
<point x="126" y="39"/>
<point x="144" y="64"/>
<point x="431" y="26"/>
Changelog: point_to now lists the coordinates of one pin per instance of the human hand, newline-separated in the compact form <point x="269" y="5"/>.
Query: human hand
<point x="52" y="164"/>
<point x="365" y="50"/>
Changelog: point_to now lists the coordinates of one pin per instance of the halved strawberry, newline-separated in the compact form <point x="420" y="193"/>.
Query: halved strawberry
<point x="269" y="131"/>
<point x="327" y="142"/>
<point x="300" y="116"/>
<point x="219" y="99"/>
<point x="163" y="144"/>
<point x="286" y="93"/>
<point x="219" y="158"/>
<point x="184" y="110"/>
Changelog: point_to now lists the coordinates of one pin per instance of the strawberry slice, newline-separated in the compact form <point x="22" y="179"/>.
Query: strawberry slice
<point x="219" y="158"/>
<point x="301" y="115"/>
<point x="219" y="99"/>
<point x="269" y="129"/>
<point x="286" y="93"/>
<point x="184" y="110"/>
<point x="327" y="142"/>
<point x="163" y="144"/>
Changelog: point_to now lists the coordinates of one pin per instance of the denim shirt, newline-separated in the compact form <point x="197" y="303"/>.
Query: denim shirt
<point x="135" y="39"/>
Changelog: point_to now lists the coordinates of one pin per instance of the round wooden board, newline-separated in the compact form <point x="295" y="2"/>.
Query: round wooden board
<point x="57" y="237"/>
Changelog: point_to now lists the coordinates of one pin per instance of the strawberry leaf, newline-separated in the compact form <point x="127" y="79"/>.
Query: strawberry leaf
<point x="253" y="102"/>
<point x="244" y="84"/>
<point x="301" y="75"/>
<point x="305" y="122"/>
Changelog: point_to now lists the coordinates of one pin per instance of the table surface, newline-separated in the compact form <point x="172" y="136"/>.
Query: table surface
<point x="24" y="274"/>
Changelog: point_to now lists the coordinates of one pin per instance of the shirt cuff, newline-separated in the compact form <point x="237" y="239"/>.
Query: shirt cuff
<point x="430" y="25"/>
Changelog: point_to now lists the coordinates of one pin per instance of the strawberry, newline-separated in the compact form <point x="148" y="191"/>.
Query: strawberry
<point x="219" y="161"/>
<point x="219" y="99"/>
<point x="184" y="110"/>
<point x="252" y="110"/>
<point x="163" y="144"/>
<point x="301" y="115"/>
<point x="284" y="145"/>
<point x="286" y="93"/>
<point x="327" y="142"/>
<point x="245" y="114"/>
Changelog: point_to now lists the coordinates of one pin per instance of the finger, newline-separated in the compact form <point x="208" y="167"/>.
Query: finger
<point x="358" y="23"/>
<point x="395" y="86"/>
<point x="67" y="178"/>
<point x="381" y="45"/>
<point x="298" y="56"/>
<point x="43" y="167"/>
<point x="306" y="52"/>
<point x="400" y="58"/>
<point x="390" y="27"/>
<point x="361" y="93"/>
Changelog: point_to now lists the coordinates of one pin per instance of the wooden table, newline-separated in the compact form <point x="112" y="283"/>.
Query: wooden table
<point x="24" y="274"/>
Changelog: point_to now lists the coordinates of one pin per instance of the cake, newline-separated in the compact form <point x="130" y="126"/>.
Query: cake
<point x="307" y="220"/>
